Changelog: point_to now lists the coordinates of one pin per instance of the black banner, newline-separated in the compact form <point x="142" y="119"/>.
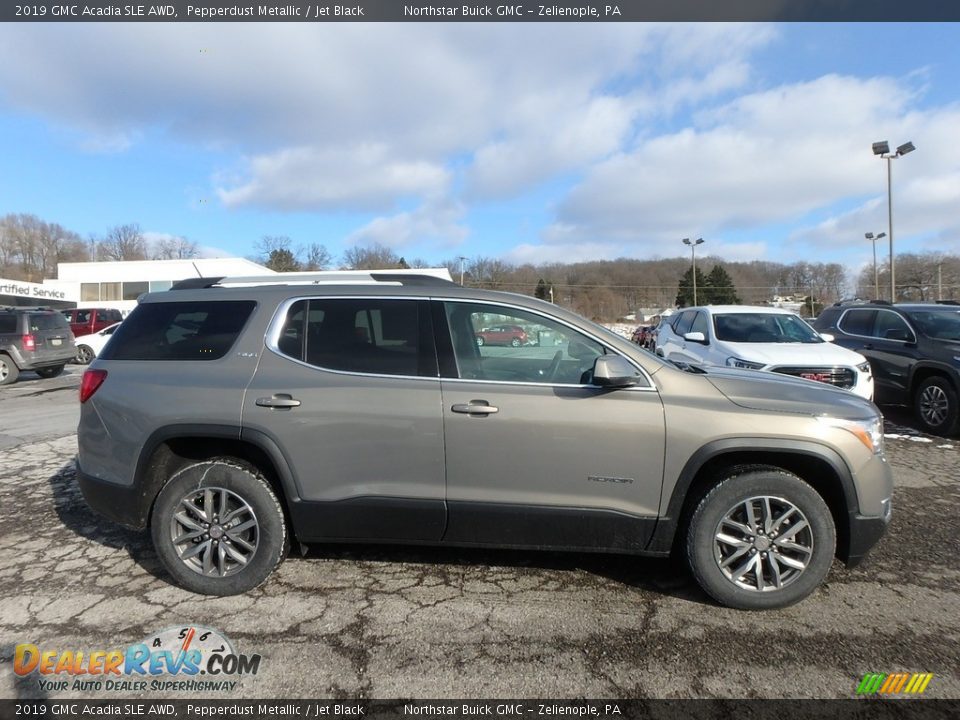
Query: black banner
<point x="863" y="709"/>
<point x="433" y="11"/>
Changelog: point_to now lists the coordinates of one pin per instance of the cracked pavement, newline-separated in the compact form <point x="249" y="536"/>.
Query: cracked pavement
<point x="382" y="622"/>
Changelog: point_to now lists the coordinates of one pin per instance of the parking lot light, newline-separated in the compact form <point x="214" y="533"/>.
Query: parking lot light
<point x="876" y="278"/>
<point x="882" y="149"/>
<point x="693" y="262"/>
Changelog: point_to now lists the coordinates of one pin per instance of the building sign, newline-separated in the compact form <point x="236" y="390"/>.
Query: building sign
<point x="18" y="288"/>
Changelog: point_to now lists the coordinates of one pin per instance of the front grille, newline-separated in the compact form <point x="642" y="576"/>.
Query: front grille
<point x="839" y="377"/>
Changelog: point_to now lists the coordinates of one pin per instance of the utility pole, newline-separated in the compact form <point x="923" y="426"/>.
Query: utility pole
<point x="462" y="258"/>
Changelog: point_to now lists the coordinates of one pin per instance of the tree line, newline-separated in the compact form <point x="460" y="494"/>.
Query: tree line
<point x="30" y="249"/>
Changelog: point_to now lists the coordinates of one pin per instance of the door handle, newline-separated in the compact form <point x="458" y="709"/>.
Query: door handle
<point x="868" y="346"/>
<point x="280" y="401"/>
<point x="475" y="407"/>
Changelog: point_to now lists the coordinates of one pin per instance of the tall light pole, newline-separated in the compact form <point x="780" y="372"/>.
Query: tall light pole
<point x="462" y="258"/>
<point x="882" y="149"/>
<point x="876" y="278"/>
<point x="693" y="262"/>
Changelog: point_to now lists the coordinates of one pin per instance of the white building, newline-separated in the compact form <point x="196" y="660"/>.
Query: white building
<point x="118" y="284"/>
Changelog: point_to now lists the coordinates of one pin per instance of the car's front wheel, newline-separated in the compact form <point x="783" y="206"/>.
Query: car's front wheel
<point x="218" y="527"/>
<point x="761" y="539"/>
<point x="936" y="406"/>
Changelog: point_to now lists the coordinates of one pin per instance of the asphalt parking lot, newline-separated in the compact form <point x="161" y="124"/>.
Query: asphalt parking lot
<point x="382" y="622"/>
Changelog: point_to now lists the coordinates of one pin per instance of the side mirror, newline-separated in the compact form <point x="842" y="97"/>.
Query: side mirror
<point x="827" y="336"/>
<point x="697" y="337"/>
<point x="613" y="371"/>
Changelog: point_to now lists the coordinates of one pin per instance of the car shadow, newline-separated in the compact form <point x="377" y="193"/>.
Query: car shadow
<point x="657" y="575"/>
<point x="76" y="516"/>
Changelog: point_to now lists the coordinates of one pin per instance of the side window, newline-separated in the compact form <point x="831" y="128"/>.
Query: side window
<point x="8" y="324"/>
<point x="891" y="326"/>
<point x="858" y="322"/>
<point x="367" y="335"/>
<point x="83" y="316"/>
<point x="496" y="343"/>
<point x="684" y="323"/>
<point x="102" y="316"/>
<point x="700" y="324"/>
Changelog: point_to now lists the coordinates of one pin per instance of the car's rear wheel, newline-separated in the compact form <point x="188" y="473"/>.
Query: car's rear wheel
<point x="935" y="405"/>
<point x="218" y="527"/>
<point x="9" y="372"/>
<point x="760" y="540"/>
<point x="49" y="372"/>
<point x="84" y="355"/>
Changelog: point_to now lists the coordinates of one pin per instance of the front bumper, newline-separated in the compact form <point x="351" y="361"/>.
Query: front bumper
<point x="865" y="532"/>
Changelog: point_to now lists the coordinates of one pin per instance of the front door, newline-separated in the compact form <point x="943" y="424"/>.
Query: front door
<point x="536" y="455"/>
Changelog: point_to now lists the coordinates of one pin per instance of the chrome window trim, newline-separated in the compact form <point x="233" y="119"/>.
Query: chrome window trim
<point x="274" y="326"/>
<point x="875" y="337"/>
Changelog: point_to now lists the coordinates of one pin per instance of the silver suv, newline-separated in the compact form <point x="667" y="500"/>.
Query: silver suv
<point x="235" y="417"/>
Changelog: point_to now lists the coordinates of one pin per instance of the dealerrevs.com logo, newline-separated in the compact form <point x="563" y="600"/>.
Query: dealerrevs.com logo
<point x="192" y="658"/>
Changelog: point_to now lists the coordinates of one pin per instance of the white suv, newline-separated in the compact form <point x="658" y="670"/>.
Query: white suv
<point x="763" y="338"/>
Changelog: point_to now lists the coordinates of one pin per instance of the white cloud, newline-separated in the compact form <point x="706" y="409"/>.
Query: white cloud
<point x="768" y="157"/>
<point x="438" y="223"/>
<point x="365" y="177"/>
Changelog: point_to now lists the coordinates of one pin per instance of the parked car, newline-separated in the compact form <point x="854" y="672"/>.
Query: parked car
<point x="233" y="418"/>
<point x="763" y="338"/>
<point x="512" y="335"/>
<point x="86" y="321"/>
<point x="913" y="350"/>
<point x="642" y="335"/>
<point x="33" y="338"/>
<point x="89" y="346"/>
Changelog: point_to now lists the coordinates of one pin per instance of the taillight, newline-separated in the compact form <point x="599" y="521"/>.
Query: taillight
<point x="92" y="379"/>
<point x="29" y="343"/>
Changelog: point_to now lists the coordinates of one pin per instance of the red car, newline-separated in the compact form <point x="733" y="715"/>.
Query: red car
<point x="512" y="335"/>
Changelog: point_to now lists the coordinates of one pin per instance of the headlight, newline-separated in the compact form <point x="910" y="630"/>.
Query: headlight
<point x="745" y="364"/>
<point x="864" y="368"/>
<point x="869" y="432"/>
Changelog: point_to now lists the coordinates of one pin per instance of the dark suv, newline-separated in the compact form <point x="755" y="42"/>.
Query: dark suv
<point x="37" y="339"/>
<point x="914" y="352"/>
<point x="235" y="417"/>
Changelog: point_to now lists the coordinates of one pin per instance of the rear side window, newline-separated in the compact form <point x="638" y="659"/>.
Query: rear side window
<point x="179" y="331"/>
<point x="8" y="323"/>
<point x="368" y="335"/>
<point x="858" y="322"/>
<point x="47" y="321"/>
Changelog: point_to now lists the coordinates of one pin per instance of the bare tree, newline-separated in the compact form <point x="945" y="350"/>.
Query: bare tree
<point x="30" y="248"/>
<point x="123" y="242"/>
<point x="370" y="257"/>
<point x="175" y="248"/>
<point x="316" y="257"/>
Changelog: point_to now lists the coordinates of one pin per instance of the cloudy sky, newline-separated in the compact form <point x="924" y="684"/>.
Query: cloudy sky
<point x="553" y="142"/>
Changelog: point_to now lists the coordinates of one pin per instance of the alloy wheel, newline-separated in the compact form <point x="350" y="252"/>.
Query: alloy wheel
<point x="934" y="405"/>
<point x="214" y="532"/>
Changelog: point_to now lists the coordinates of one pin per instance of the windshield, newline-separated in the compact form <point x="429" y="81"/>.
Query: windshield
<point x="938" y="324"/>
<point x="763" y="328"/>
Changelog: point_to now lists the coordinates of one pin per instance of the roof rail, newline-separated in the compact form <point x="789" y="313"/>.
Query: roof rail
<point x="880" y="302"/>
<point x="426" y="277"/>
<point x="947" y="302"/>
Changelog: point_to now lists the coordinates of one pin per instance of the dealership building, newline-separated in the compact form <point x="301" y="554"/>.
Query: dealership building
<point x="118" y="284"/>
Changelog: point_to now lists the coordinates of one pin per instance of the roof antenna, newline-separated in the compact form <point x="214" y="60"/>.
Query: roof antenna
<point x="199" y="274"/>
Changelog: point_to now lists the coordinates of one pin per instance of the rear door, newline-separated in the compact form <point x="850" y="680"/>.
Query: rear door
<point x="348" y="389"/>
<point x="536" y="456"/>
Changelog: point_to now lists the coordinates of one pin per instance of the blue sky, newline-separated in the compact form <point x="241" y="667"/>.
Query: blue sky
<point x="554" y="142"/>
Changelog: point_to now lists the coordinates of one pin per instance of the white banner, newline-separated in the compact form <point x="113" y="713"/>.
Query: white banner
<point x="19" y="288"/>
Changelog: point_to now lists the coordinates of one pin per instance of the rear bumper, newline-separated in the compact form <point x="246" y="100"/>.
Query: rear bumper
<point x="119" y="503"/>
<point x="48" y="359"/>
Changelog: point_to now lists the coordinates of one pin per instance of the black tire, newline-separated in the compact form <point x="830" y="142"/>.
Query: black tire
<point x="9" y="372"/>
<point x="515" y="342"/>
<point x="238" y="481"/>
<point x="705" y="553"/>
<point x="479" y="341"/>
<point x="85" y="355"/>
<point x="935" y="405"/>
<point x="49" y="372"/>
